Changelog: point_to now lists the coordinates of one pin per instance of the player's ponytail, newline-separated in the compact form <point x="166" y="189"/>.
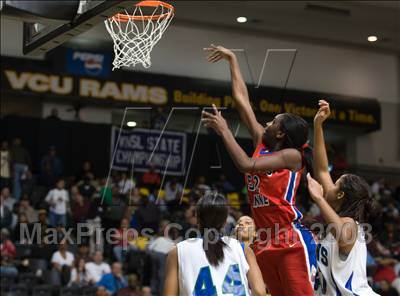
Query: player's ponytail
<point x="357" y="201"/>
<point x="308" y="160"/>
<point x="296" y="137"/>
<point x="211" y="213"/>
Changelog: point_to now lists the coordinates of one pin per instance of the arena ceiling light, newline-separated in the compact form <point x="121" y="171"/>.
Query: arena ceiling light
<point x="241" y="19"/>
<point x="372" y="38"/>
<point x="131" y="123"/>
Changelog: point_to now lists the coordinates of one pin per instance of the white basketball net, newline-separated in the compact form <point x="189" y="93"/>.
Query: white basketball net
<point x="135" y="35"/>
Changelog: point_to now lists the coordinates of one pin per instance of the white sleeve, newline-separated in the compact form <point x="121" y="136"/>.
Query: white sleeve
<point x="107" y="268"/>
<point x="49" y="196"/>
<point x="74" y="276"/>
<point x="55" y="258"/>
<point x="72" y="259"/>
<point x="90" y="272"/>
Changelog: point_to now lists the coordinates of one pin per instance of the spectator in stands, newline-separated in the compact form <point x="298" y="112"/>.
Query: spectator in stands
<point x="173" y="192"/>
<point x="21" y="163"/>
<point x="85" y="171"/>
<point x="151" y="179"/>
<point x="19" y="230"/>
<point x="158" y="250"/>
<point x="73" y="192"/>
<point x="5" y="165"/>
<point x="231" y="220"/>
<point x="105" y="192"/>
<point x="51" y="168"/>
<point x="130" y="214"/>
<point x="223" y="185"/>
<point x="28" y="183"/>
<point x="245" y="230"/>
<point x="190" y="220"/>
<point x="86" y="188"/>
<point x="6" y="216"/>
<point x="377" y="187"/>
<point x="42" y="217"/>
<point x="133" y="288"/>
<point x="163" y="242"/>
<point x="134" y="199"/>
<point x="7" y="253"/>
<point x="79" y="274"/>
<point x="53" y="115"/>
<point x="390" y="236"/>
<point x="8" y="200"/>
<point x="385" y="271"/>
<point x="62" y="261"/>
<point x="115" y="211"/>
<point x="80" y="208"/>
<point x="200" y="186"/>
<point x="123" y="236"/>
<point x="114" y="281"/>
<point x="83" y="249"/>
<point x="126" y="184"/>
<point x="148" y="215"/>
<point x="41" y="247"/>
<point x="390" y="211"/>
<point x="27" y="209"/>
<point x="97" y="268"/>
<point x="58" y="200"/>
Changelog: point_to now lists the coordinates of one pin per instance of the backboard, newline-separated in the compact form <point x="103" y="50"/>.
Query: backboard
<point x="48" y="24"/>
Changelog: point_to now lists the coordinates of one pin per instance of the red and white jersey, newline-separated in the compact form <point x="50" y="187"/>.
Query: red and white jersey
<point x="272" y="195"/>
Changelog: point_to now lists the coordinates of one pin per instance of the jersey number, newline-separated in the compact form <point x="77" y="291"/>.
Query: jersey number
<point x="320" y="282"/>
<point x="232" y="283"/>
<point x="253" y="182"/>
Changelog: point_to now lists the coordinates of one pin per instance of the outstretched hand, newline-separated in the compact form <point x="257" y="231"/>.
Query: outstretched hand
<point x="215" y="121"/>
<point x="323" y="112"/>
<point x="216" y="53"/>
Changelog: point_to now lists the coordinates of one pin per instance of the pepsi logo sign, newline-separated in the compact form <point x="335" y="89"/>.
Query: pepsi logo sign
<point x="92" y="62"/>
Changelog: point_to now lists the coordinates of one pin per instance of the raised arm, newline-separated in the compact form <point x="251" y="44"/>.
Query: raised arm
<point x="344" y="229"/>
<point x="321" y="169"/>
<point x="283" y="159"/>
<point x="239" y="91"/>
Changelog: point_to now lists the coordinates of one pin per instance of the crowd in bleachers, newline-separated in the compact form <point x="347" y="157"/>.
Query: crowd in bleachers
<point x="43" y="250"/>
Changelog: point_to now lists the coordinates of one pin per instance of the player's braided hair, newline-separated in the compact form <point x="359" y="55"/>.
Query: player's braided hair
<point x="212" y="212"/>
<point x="357" y="201"/>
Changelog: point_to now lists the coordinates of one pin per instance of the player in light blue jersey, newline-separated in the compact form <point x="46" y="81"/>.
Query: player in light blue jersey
<point x="345" y="206"/>
<point x="213" y="264"/>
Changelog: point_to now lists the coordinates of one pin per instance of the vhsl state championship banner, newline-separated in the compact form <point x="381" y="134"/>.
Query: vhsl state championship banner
<point x="137" y="148"/>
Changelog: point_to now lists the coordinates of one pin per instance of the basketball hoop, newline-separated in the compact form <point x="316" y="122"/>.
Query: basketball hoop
<point x="135" y="34"/>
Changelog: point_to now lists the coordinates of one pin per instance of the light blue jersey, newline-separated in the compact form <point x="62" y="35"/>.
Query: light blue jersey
<point x="198" y="277"/>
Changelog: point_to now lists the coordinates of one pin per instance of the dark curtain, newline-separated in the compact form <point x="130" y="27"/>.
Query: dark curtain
<point x="76" y="142"/>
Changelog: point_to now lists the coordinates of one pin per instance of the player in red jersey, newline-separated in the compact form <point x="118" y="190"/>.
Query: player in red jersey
<point x="285" y="249"/>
